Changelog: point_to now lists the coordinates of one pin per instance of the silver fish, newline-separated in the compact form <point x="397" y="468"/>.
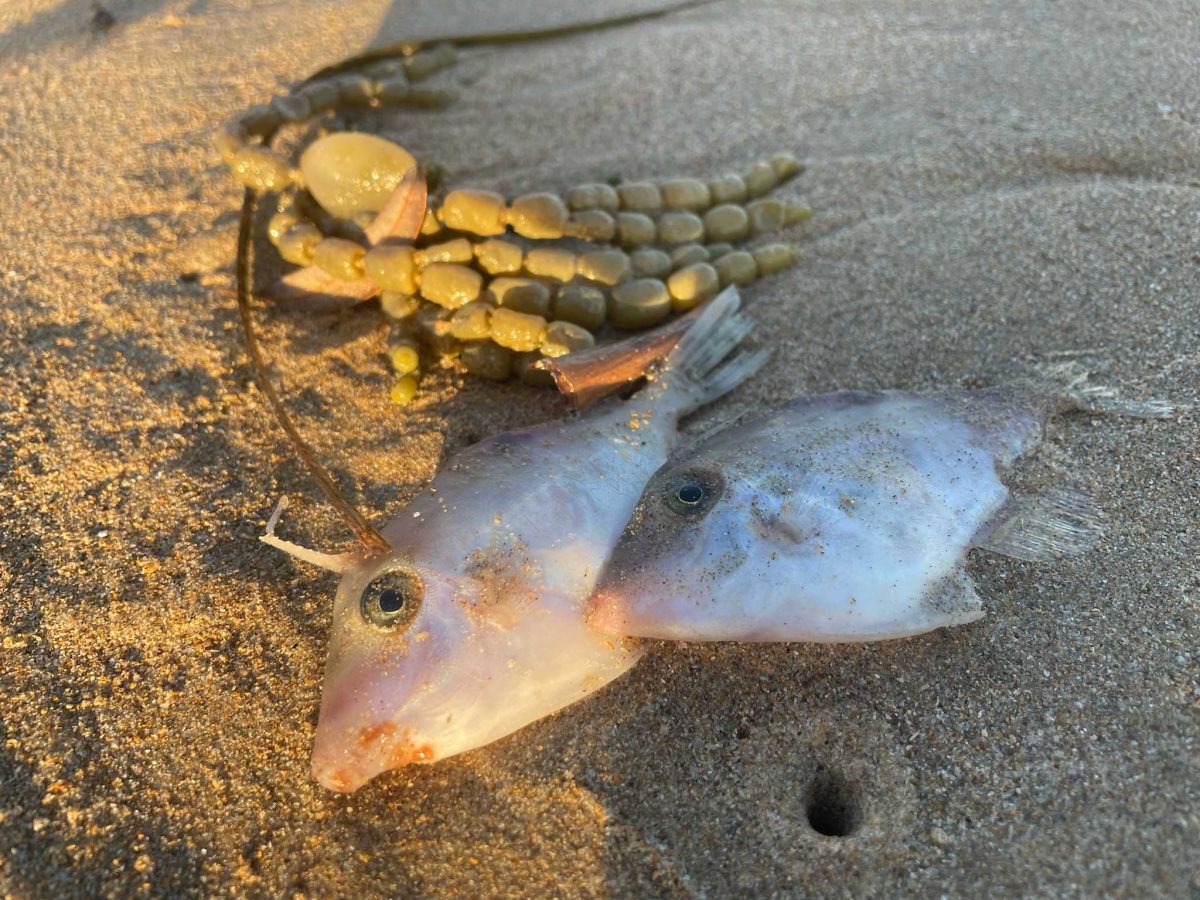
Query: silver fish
<point x="842" y="517"/>
<point x="473" y="624"/>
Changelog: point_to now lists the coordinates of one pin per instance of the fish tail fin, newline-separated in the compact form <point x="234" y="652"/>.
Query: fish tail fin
<point x="693" y="374"/>
<point x="1068" y="389"/>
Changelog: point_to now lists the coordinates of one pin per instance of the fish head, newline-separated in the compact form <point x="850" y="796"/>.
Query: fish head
<point x="679" y="561"/>
<point x="424" y="664"/>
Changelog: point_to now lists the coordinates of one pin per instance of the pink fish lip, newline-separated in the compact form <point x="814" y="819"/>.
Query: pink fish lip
<point x="606" y="612"/>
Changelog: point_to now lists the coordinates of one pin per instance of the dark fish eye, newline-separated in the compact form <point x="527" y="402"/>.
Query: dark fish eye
<point x="693" y="493"/>
<point x="392" y="599"/>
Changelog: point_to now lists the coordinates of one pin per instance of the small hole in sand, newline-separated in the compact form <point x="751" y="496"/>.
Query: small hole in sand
<point x="833" y="806"/>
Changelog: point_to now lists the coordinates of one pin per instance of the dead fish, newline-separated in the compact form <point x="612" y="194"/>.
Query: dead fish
<point x="843" y="517"/>
<point x="471" y="624"/>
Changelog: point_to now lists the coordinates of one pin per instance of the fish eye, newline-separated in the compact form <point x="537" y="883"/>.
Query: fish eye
<point x="693" y="493"/>
<point x="392" y="599"/>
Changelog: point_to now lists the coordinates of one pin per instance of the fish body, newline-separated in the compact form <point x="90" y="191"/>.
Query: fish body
<point x="474" y="624"/>
<point x="841" y="517"/>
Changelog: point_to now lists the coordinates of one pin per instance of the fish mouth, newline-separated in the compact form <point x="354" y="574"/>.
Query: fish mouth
<point x="606" y="613"/>
<point x="348" y="760"/>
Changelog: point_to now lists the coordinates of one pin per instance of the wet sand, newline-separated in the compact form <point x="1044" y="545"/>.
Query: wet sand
<point x="997" y="187"/>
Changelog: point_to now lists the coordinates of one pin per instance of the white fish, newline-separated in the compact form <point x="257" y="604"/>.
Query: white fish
<point x="843" y="517"/>
<point x="473" y="624"/>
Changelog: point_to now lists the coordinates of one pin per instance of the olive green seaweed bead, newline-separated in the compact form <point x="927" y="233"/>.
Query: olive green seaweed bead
<point x="487" y="360"/>
<point x="692" y="285"/>
<point x="591" y="225"/>
<point x="727" y="189"/>
<point x="727" y="222"/>
<point x="650" y="262"/>
<point x="688" y="254"/>
<point x="640" y="197"/>
<point x="424" y="63"/>
<point x="635" y="229"/>
<point x="228" y="140"/>
<point x="393" y="267"/>
<point x="606" y="267"/>
<point x="639" y="304"/>
<point x="594" y="196"/>
<point x="532" y="298"/>
<point x="772" y="258"/>
<point x="686" y="193"/>
<point x="524" y="366"/>
<point x="296" y="245"/>
<point x="737" y="267"/>
<point x="538" y="216"/>
<point x="680" y="228"/>
<point x="580" y="304"/>
<point x="517" y="330"/>
<point x="785" y="166"/>
<point x="450" y="285"/>
<point x="760" y="179"/>
<point x="716" y="251"/>
<point x="403" y="390"/>
<point x="565" y="337"/>
<point x="339" y="258"/>
<point x="551" y="262"/>
<point x="292" y="108"/>
<point x="499" y="257"/>
<point x="259" y="119"/>
<point x="766" y="216"/>
<point x="322" y="96"/>
<point x="398" y="305"/>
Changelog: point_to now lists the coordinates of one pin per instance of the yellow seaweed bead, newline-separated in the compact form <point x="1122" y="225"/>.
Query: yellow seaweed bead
<point x="404" y="357"/>
<point x="565" y="337"/>
<point x="549" y="262"/>
<point x="795" y="211"/>
<point x="497" y="257"/>
<point x="635" y="229"/>
<point x="280" y="222"/>
<point x="450" y="285"/>
<point x="685" y="193"/>
<point x="261" y="168"/>
<point x="296" y="245"/>
<point x="403" y="390"/>
<point x="349" y="172"/>
<point x="594" y="196"/>
<point x="472" y="322"/>
<point x="737" y="267"/>
<point x="538" y="216"/>
<point x="773" y="257"/>
<point x="340" y="258"/>
<point x="580" y="304"/>
<point x="478" y="212"/>
<point x="458" y="250"/>
<point x="785" y="165"/>
<point x="517" y="331"/>
<point x="640" y="196"/>
<point x="727" y="222"/>
<point x="692" y="285"/>
<point x="650" y="262"/>
<point x="487" y="360"/>
<point x="639" y="304"/>
<point x="604" y="266"/>
<point x="393" y="267"/>
<point x="680" y="228"/>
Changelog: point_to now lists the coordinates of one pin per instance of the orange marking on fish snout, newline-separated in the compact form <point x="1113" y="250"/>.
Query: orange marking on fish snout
<point x="373" y="734"/>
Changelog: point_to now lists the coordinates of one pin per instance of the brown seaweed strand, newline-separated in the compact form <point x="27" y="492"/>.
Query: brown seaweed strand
<point x="363" y="530"/>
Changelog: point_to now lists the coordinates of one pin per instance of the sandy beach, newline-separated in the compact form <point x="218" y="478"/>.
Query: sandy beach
<point x="997" y="186"/>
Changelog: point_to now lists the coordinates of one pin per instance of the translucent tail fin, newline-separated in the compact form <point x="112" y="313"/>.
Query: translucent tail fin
<point x="1076" y="393"/>
<point x="692" y="375"/>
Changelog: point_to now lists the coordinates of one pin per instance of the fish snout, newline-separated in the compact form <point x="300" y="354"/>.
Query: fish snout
<point x="344" y="759"/>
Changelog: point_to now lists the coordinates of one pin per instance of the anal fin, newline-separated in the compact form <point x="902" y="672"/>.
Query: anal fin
<point x="1041" y="527"/>
<point x="952" y="601"/>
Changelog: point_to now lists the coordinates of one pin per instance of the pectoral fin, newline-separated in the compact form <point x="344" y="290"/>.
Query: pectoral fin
<point x="1047" y="526"/>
